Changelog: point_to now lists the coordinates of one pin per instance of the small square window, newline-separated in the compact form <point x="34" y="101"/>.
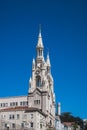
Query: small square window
<point x="20" y="103"/>
<point x="39" y="101"/>
<point x="13" y="116"/>
<point x="18" y="116"/>
<point x="13" y="125"/>
<point x="6" y="104"/>
<point x="31" y="116"/>
<point x="10" y="103"/>
<point x="9" y="116"/>
<point x="31" y="124"/>
<point x="5" y="125"/>
<point x="22" y="125"/>
<point x="3" y="104"/>
<point x="40" y="126"/>
<point x="16" y="103"/>
<point x="13" y="103"/>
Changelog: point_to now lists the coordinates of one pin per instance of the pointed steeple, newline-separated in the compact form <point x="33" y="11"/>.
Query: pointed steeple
<point x="33" y="61"/>
<point x="40" y="30"/>
<point x="40" y="46"/>
<point x="30" y="80"/>
<point x="48" y="60"/>
<point x="29" y="85"/>
<point x="59" y="108"/>
<point x="33" y="64"/>
<point x="40" y="42"/>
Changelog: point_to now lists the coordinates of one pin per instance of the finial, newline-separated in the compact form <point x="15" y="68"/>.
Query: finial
<point x="59" y="104"/>
<point x="48" y="54"/>
<point x="48" y="59"/>
<point x="30" y="80"/>
<point x="59" y="108"/>
<point x="39" y="30"/>
<point x="40" y="42"/>
<point x="33" y="61"/>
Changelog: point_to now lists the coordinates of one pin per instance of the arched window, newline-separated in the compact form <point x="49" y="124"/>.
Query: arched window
<point x="38" y="81"/>
<point x="50" y="122"/>
<point x="31" y="124"/>
<point x="39" y="52"/>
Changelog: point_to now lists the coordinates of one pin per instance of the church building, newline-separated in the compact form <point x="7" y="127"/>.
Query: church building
<point x="35" y="111"/>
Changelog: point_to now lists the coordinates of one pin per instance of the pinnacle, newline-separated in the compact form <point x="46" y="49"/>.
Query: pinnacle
<point x="40" y="42"/>
<point x="48" y="60"/>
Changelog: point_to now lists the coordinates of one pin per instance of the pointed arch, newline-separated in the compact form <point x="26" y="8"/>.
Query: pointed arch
<point x="38" y="81"/>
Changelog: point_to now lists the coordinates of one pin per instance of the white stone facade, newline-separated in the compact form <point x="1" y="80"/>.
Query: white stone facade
<point x="35" y="111"/>
<point x="41" y="87"/>
<point x="22" y="118"/>
<point x="13" y="102"/>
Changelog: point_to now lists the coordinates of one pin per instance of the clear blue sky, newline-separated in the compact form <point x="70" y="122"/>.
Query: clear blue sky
<point x="64" y="31"/>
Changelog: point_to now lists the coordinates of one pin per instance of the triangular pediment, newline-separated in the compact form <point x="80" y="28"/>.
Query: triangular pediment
<point x="36" y="91"/>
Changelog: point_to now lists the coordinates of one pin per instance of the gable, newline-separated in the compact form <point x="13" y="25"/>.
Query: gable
<point x="36" y="91"/>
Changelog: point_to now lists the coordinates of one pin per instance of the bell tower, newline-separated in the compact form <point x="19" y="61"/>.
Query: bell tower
<point x="41" y="86"/>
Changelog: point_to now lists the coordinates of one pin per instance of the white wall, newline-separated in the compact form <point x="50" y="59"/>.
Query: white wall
<point x="11" y="101"/>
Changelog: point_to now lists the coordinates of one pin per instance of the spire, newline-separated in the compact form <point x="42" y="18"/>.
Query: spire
<point x="40" y="30"/>
<point x="40" y="46"/>
<point x="48" y="60"/>
<point x="30" y="80"/>
<point x="59" y="108"/>
<point x="29" y="83"/>
<point x="33" y="64"/>
<point x="33" y="61"/>
<point x="40" y="42"/>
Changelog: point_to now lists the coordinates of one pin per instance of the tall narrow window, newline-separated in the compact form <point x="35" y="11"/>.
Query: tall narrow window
<point x="50" y="122"/>
<point x="31" y="124"/>
<point x="22" y="125"/>
<point x="16" y="103"/>
<point x="5" y="125"/>
<point x="38" y="81"/>
<point x="13" y="125"/>
<point x="39" y="52"/>
<point x="31" y="116"/>
<point x="18" y="116"/>
<point x="40" y="126"/>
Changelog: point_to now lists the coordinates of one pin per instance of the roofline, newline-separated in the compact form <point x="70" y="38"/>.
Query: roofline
<point x="34" y="110"/>
<point x="21" y="108"/>
<point x="13" y="97"/>
<point x="38" y="90"/>
<point x="18" y="108"/>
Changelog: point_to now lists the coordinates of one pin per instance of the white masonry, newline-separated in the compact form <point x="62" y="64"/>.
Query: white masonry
<point x="35" y="111"/>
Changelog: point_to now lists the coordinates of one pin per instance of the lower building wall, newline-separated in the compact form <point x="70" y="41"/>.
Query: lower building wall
<point x="22" y="121"/>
